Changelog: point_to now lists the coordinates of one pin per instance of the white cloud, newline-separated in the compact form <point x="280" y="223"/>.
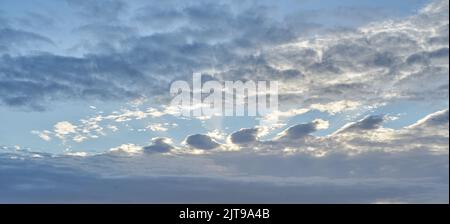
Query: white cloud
<point x="127" y="148"/>
<point x="77" y="154"/>
<point x="344" y="71"/>
<point x="45" y="135"/>
<point x="245" y="136"/>
<point x="160" y="145"/>
<point x="365" y="135"/>
<point x="336" y="107"/>
<point x="376" y="64"/>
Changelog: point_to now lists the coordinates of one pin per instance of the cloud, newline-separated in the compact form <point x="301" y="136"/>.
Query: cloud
<point x="161" y="127"/>
<point x="160" y="145"/>
<point x="369" y="135"/>
<point x="300" y="177"/>
<point x="336" y="107"/>
<point x="101" y="124"/>
<point x="368" y="123"/>
<point x="363" y="136"/>
<point x="36" y="20"/>
<point x="335" y="71"/>
<point x="13" y="39"/>
<point x="368" y="65"/>
<point x="45" y="135"/>
<point x="301" y="130"/>
<point x="103" y="10"/>
<point x="243" y="136"/>
<point x="77" y="154"/>
<point x="374" y="64"/>
<point x="157" y="127"/>
<point x="64" y="128"/>
<point x="101" y="31"/>
<point x="439" y="118"/>
<point x="127" y="148"/>
<point x="131" y="65"/>
<point x="34" y="80"/>
<point x="199" y="141"/>
<point x="369" y="164"/>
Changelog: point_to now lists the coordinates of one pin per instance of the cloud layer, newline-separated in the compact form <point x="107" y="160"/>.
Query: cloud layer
<point x="366" y="163"/>
<point x="376" y="63"/>
<point x="326" y="144"/>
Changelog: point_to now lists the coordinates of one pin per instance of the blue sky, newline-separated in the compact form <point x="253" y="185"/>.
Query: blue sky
<point x="83" y="80"/>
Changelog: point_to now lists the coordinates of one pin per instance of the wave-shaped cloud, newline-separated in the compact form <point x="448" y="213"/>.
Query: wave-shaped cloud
<point x="379" y="62"/>
<point x="302" y="173"/>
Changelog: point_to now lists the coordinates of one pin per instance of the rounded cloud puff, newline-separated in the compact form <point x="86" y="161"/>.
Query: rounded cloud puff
<point x="367" y="123"/>
<point x="434" y="119"/>
<point x="301" y="130"/>
<point x="199" y="141"/>
<point x="245" y="136"/>
<point x="160" y="145"/>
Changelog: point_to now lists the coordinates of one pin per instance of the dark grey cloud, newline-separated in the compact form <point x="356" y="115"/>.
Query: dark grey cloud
<point x="426" y="57"/>
<point x="35" y="80"/>
<point x="348" y="168"/>
<point x="368" y="123"/>
<point x="245" y="136"/>
<point x="13" y="38"/>
<point x="200" y="141"/>
<point x="434" y="120"/>
<point x="239" y="177"/>
<point x="159" y="17"/>
<point x="160" y="145"/>
<point x="372" y="164"/>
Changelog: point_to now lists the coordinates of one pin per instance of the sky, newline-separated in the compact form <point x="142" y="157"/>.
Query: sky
<point x="85" y="99"/>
